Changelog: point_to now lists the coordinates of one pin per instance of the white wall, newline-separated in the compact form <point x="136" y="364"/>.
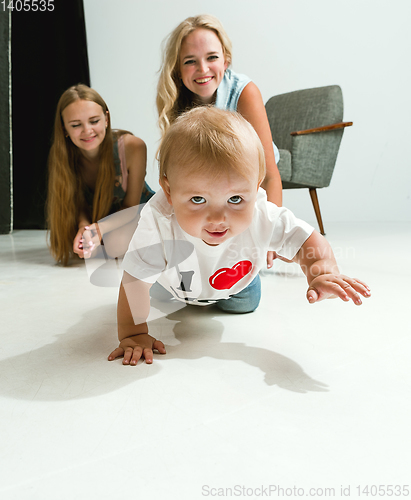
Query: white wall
<point x="283" y="45"/>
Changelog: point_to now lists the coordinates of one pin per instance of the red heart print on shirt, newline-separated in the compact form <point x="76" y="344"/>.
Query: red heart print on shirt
<point x="226" y="277"/>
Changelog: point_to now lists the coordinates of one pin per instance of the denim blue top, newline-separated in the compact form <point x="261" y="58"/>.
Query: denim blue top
<point x="229" y="92"/>
<point x="230" y="89"/>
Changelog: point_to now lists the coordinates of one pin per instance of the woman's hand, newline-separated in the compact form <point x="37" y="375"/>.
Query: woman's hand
<point x="78" y="245"/>
<point x="271" y="256"/>
<point x="91" y="239"/>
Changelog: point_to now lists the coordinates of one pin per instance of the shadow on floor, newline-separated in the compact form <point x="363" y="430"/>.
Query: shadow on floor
<point x="75" y="365"/>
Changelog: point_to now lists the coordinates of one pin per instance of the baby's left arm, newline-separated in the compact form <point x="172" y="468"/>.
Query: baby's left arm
<point x="318" y="263"/>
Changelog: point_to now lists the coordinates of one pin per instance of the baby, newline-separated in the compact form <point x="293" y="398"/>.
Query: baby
<point x="203" y="238"/>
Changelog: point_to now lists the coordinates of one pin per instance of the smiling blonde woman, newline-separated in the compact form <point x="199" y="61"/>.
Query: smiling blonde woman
<point x="196" y="71"/>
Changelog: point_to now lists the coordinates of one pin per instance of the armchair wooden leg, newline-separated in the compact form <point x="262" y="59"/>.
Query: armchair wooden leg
<point x="314" y="199"/>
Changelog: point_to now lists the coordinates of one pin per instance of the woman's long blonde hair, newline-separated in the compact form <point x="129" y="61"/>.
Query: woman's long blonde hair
<point x="65" y="198"/>
<point x="171" y="100"/>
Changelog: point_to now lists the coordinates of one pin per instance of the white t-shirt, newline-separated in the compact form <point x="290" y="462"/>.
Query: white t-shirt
<point x="200" y="274"/>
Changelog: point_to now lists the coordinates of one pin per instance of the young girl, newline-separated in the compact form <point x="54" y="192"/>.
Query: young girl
<point x="93" y="171"/>
<point x="195" y="71"/>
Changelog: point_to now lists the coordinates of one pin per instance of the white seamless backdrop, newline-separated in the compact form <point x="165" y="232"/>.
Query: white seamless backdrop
<point x="361" y="45"/>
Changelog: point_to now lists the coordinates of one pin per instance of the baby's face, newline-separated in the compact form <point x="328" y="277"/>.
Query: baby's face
<point x="213" y="209"/>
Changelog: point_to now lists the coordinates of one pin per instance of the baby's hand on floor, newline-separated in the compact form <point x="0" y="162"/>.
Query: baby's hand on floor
<point x="328" y="286"/>
<point x="136" y="347"/>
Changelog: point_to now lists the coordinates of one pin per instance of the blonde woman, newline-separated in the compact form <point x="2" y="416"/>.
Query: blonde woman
<point x="196" y="71"/>
<point x="93" y="171"/>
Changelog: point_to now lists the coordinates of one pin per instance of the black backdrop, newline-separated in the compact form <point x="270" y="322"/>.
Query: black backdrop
<point x="49" y="54"/>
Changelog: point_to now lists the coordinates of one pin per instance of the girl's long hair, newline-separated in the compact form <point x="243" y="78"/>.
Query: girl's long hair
<point x="65" y="198"/>
<point x="172" y="96"/>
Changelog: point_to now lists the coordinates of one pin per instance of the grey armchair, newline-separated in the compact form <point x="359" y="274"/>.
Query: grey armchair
<point x="307" y="127"/>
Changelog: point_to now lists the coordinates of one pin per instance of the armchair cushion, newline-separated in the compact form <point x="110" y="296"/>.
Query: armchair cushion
<point x="284" y="165"/>
<point x="314" y="157"/>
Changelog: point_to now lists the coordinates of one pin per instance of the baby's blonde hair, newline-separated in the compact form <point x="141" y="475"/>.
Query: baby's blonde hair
<point x="212" y="141"/>
<point x="169" y="84"/>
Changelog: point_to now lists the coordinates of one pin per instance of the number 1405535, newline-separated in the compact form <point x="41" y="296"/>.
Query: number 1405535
<point x="27" y="5"/>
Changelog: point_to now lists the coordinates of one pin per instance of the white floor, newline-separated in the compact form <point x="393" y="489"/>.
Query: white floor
<point x="293" y="396"/>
